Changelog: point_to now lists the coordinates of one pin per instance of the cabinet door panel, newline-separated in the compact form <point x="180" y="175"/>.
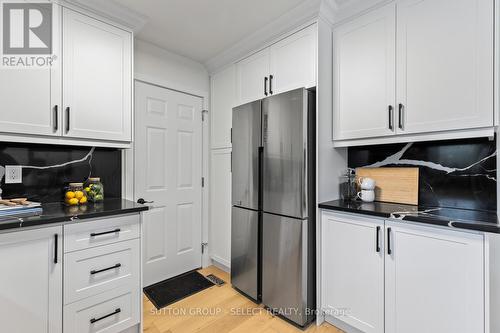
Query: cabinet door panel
<point x="293" y="61"/>
<point x="364" y="75"/>
<point x="220" y="206"/>
<point x="353" y="271"/>
<point x="31" y="293"/>
<point x="251" y="73"/>
<point x="223" y="100"/>
<point x="97" y="79"/>
<point x="445" y="64"/>
<point x="30" y="98"/>
<point x="434" y="281"/>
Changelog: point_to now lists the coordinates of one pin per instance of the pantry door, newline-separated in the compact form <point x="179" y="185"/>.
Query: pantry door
<point x="168" y="171"/>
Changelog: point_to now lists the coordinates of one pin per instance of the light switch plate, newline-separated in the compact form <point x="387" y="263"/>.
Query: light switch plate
<point x="13" y="174"/>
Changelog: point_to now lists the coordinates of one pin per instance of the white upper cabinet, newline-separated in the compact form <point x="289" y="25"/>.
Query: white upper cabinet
<point x="253" y="77"/>
<point x="287" y="64"/>
<point x="445" y="64"/>
<point x="31" y="281"/>
<point x="293" y="61"/>
<point x="30" y="98"/>
<point x="223" y="93"/>
<point x="429" y="61"/>
<point x="97" y="90"/>
<point x="434" y="281"/>
<point x="364" y="95"/>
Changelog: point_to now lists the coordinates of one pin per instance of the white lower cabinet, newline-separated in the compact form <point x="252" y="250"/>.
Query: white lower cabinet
<point x="384" y="276"/>
<point x="353" y="264"/>
<point x="434" y="280"/>
<point x="31" y="281"/>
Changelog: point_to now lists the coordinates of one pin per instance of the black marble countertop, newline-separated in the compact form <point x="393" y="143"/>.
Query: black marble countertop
<point x="58" y="212"/>
<point x="486" y="221"/>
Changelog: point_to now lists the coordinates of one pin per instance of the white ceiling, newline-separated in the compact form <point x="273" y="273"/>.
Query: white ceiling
<point x="201" y="29"/>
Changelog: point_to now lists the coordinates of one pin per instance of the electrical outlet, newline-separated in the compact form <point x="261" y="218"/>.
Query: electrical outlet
<point x="13" y="174"/>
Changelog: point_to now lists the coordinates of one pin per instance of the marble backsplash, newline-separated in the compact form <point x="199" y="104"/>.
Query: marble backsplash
<point x="47" y="169"/>
<point x="455" y="173"/>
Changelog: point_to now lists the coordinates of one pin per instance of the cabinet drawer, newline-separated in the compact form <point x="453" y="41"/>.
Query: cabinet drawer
<point x="85" y="235"/>
<point x="96" y="270"/>
<point x="109" y="312"/>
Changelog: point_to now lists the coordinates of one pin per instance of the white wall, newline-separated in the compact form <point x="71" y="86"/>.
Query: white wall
<point x="174" y="71"/>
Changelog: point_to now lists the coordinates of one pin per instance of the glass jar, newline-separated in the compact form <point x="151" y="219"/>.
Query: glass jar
<point x="74" y="194"/>
<point x="347" y="185"/>
<point x="94" y="189"/>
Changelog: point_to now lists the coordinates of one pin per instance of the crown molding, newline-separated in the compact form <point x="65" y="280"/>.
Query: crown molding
<point x="303" y="13"/>
<point x="110" y="10"/>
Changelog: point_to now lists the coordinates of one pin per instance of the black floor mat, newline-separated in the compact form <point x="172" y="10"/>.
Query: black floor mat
<point x="172" y="290"/>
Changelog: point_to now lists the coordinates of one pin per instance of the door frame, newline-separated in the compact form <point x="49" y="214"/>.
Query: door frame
<point x="128" y="175"/>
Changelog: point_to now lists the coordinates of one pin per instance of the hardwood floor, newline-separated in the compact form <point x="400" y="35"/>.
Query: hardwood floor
<point x="218" y="310"/>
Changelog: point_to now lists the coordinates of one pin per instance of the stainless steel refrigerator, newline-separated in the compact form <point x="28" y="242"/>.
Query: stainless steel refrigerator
<point x="273" y="193"/>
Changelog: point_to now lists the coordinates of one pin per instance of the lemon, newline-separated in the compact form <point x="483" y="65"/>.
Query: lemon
<point x="73" y="201"/>
<point x="83" y="200"/>
<point x="78" y="195"/>
<point x="70" y="195"/>
<point x="87" y="189"/>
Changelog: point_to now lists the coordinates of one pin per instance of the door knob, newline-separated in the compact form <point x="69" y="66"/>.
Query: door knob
<point x="142" y="201"/>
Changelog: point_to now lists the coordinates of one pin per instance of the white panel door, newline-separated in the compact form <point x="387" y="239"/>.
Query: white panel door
<point x="444" y="64"/>
<point x="168" y="170"/>
<point x="97" y="89"/>
<point x="220" y="206"/>
<point x="252" y="76"/>
<point x="364" y="72"/>
<point x="223" y="94"/>
<point x="353" y="271"/>
<point x="31" y="280"/>
<point x="30" y="99"/>
<point x="434" y="280"/>
<point x="293" y="61"/>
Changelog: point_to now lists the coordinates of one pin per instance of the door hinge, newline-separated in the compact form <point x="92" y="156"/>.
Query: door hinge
<point x="202" y="181"/>
<point x="203" y="114"/>
<point x="203" y="245"/>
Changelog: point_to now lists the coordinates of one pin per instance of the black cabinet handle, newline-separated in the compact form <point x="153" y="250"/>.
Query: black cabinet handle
<point x="271" y="84"/>
<point x="56" y="118"/>
<point x="400" y="116"/>
<point x="389" y="249"/>
<point x="391" y="114"/>
<point x="265" y="86"/>
<point x="67" y="119"/>
<point x="56" y="248"/>
<point x="94" y="320"/>
<point x="105" y="232"/>
<point x="95" y="271"/>
<point x="377" y="249"/>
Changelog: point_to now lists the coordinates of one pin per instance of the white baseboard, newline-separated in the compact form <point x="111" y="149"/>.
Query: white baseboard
<point x="221" y="264"/>
<point x="341" y="325"/>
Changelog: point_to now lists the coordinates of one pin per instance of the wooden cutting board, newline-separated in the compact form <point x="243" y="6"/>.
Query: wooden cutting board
<point x="399" y="185"/>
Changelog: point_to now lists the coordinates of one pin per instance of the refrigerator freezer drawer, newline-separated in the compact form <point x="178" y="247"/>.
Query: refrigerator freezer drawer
<point x="244" y="250"/>
<point x="287" y="277"/>
<point x="246" y="140"/>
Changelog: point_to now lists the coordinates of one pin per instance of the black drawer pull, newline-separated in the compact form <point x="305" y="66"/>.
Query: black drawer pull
<point x="265" y="86"/>
<point x="271" y="84"/>
<point x="105" y="269"/>
<point x="67" y="120"/>
<point x="105" y="233"/>
<point x="94" y="320"/>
